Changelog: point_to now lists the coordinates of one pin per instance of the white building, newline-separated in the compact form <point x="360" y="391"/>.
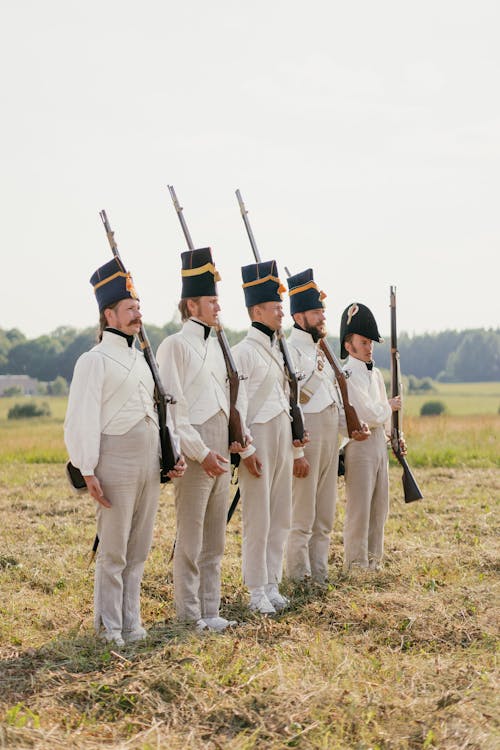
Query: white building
<point x="29" y="386"/>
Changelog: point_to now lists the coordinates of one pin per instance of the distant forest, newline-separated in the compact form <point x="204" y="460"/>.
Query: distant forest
<point x="452" y="356"/>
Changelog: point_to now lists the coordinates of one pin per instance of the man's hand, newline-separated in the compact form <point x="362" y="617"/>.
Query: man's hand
<point x="95" y="489"/>
<point x="213" y="464"/>
<point x="236" y="447"/>
<point x="395" y="403"/>
<point x="178" y="470"/>
<point x="301" y="467"/>
<point x="304" y="441"/>
<point x="362" y="434"/>
<point x="253" y="464"/>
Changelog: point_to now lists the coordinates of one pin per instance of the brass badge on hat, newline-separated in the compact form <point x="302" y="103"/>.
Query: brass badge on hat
<point x="129" y="286"/>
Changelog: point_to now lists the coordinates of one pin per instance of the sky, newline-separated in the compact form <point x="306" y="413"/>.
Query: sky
<point x="364" y="138"/>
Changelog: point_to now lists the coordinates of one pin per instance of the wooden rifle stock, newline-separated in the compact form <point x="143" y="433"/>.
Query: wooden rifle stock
<point x="236" y="433"/>
<point x="169" y="456"/>
<point x="411" y="489"/>
<point x="352" y="420"/>
<point x="298" y="429"/>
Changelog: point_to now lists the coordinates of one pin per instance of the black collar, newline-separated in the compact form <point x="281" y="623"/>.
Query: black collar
<point x="130" y="338"/>
<point x="312" y="332"/>
<point x="264" y="329"/>
<point x="206" y="329"/>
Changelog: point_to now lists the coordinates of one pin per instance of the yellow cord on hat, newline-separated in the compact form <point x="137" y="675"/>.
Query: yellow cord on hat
<point x="207" y="268"/>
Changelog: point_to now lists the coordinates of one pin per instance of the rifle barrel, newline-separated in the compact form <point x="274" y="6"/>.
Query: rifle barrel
<point x="244" y="214"/>
<point x="298" y="428"/>
<point x="182" y="220"/>
<point x="411" y="489"/>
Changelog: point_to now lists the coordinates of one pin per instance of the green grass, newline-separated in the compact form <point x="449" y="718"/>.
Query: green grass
<point x="57" y="406"/>
<point x="445" y="441"/>
<point x="467" y="435"/>
<point x="36" y="440"/>
<point x="460" y="399"/>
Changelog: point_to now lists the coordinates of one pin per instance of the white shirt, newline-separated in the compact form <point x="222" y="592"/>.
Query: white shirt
<point x="193" y="370"/>
<point x="254" y="355"/>
<point x="366" y="389"/>
<point x="97" y="376"/>
<point x="317" y="376"/>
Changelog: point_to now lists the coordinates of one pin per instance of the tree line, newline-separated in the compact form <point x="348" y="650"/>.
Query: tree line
<point x="450" y="356"/>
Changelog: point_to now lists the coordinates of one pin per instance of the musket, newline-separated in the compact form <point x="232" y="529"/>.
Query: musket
<point x="410" y="487"/>
<point x="169" y="455"/>
<point x="236" y="433"/>
<point x="298" y="429"/>
<point x="351" y="418"/>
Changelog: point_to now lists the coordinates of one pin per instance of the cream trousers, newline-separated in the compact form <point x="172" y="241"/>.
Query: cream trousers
<point x="201" y="504"/>
<point x="314" y="499"/>
<point x="367" y="499"/>
<point x="267" y="503"/>
<point x="129" y="473"/>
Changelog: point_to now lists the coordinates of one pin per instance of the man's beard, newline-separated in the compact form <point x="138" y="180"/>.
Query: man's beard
<point x="315" y="332"/>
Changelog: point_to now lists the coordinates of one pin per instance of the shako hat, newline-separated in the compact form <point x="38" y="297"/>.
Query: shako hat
<point x="357" y="318"/>
<point x="199" y="275"/>
<point x="112" y="283"/>
<point x="304" y="293"/>
<point x="261" y="283"/>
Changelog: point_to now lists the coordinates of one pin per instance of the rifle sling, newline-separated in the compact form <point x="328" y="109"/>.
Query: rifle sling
<point x="264" y="390"/>
<point x="119" y="398"/>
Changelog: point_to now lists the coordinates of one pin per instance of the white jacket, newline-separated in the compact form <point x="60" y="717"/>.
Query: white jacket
<point x="98" y="374"/>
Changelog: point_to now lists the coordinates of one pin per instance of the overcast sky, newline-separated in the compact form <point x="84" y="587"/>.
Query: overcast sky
<point x="364" y="137"/>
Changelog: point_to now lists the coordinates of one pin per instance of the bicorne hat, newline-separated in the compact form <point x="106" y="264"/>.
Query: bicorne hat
<point x="261" y="283"/>
<point x="357" y="318"/>
<point x="304" y="293"/>
<point x="112" y="283"/>
<point x="199" y="275"/>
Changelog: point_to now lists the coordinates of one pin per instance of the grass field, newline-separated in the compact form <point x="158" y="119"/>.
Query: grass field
<point x="400" y="660"/>
<point x="460" y="399"/>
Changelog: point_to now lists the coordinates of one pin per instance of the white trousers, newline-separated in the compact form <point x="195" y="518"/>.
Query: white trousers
<point x="267" y="502"/>
<point x="129" y="473"/>
<point x="314" y="499"/>
<point x="367" y="499"/>
<point x="201" y="504"/>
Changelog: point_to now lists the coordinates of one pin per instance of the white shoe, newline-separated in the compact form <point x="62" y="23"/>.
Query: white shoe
<point x="113" y="637"/>
<point x="278" y="601"/>
<point x="138" y="634"/>
<point x="201" y="625"/>
<point x="218" y="623"/>
<point x="260" y="603"/>
<point x="357" y="570"/>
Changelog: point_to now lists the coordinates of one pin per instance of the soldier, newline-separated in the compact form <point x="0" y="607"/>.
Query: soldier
<point x="366" y="463"/>
<point x="192" y="366"/>
<point x="265" y="476"/>
<point x="315" y="471"/>
<point x="111" y="432"/>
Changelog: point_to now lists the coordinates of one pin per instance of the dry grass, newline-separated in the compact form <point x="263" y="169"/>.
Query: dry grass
<point x="447" y="441"/>
<point x="402" y="659"/>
